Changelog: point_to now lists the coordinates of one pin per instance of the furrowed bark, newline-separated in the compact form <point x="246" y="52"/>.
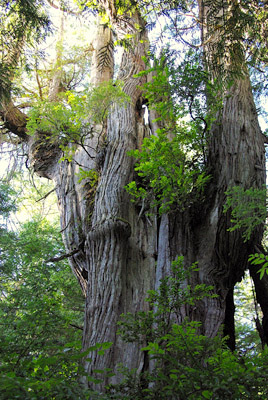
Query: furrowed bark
<point x="120" y="246"/>
<point x="116" y="262"/>
<point x="14" y="120"/>
<point x="235" y="157"/>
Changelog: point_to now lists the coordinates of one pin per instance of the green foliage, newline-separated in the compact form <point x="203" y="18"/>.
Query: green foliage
<point x="184" y="363"/>
<point x="90" y="176"/>
<point x="246" y="309"/>
<point x="123" y="8"/>
<point x="103" y="97"/>
<point x="260" y="259"/>
<point x="169" y="179"/>
<point x="248" y="209"/>
<point x="171" y="166"/>
<point x="41" y="308"/>
<point x="21" y="22"/>
<point x="34" y="291"/>
<point x="192" y="366"/>
<point x="46" y="378"/>
<point x="73" y="109"/>
<point x="179" y="89"/>
<point x="54" y="377"/>
<point x="232" y="30"/>
<point x="166" y="302"/>
<point x="71" y="119"/>
<point x="7" y="204"/>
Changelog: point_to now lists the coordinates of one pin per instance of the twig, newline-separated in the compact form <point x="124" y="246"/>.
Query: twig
<point x="64" y="9"/>
<point x="66" y="255"/>
<point x="46" y="195"/>
<point x="76" y="326"/>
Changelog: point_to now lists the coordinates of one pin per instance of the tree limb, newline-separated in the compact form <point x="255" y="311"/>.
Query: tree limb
<point x="62" y="8"/>
<point x="46" y="195"/>
<point x="14" y="120"/>
<point x="66" y="255"/>
<point x="76" y="326"/>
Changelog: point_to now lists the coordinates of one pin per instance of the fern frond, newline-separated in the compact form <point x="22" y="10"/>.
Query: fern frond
<point x="105" y="55"/>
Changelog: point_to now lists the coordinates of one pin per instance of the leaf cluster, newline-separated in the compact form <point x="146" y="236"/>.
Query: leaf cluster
<point x="248" y="209"/>
<point x="262" y="260"/>
<point x="7" y="203"/>
<point x="90" y="176"/>
<point x="71" y="120"/>
<point x="170" y="180"/>
<point x="171" y="166"/>
<point x="21" y="22"/>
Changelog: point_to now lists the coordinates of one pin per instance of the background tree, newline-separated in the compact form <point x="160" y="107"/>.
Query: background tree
<point x="41" y="308"/>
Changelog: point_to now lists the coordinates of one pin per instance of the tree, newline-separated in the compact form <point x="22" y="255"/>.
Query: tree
<point x="41" y="309"/>
<point x="117" y="250"/>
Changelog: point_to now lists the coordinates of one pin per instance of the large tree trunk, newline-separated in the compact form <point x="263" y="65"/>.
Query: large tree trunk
<point x="236" y="157"/>
<point x="122" y="254"/>
<point x="116" y="262"/>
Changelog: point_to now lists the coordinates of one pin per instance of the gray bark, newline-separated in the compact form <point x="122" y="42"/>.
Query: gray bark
<point x="116" y="262"/>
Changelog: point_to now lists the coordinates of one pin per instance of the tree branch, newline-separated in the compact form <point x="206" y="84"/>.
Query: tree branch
<point x="76" y="326"/>
<point x="46" y="195"/>
<point x="66" y="255"/>
<point x="14" y="120"/>
<point x="64" y="9"/>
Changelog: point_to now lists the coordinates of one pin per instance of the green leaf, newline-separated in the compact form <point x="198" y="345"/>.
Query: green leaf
<point x="207" y="394"/>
